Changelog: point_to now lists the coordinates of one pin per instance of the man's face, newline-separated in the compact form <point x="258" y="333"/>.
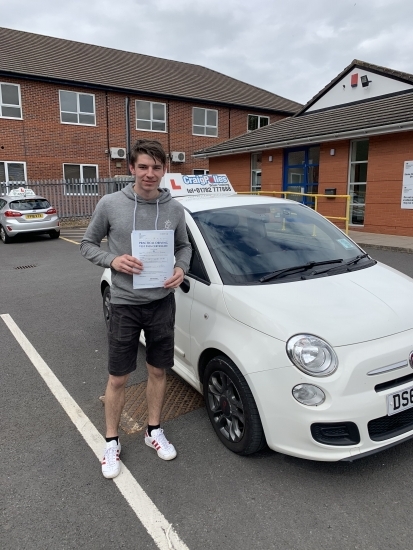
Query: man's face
<point x="148" y="174"/>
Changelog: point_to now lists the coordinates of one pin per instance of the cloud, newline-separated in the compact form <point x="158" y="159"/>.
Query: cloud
<point x="292" y="48"/>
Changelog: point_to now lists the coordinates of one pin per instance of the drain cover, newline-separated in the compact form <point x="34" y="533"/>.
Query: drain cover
<point x="180" y="399"/>
<point x="25" y="266"/>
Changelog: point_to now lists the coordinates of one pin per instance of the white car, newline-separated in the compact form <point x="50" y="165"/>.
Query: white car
<point x="296" y="337"/>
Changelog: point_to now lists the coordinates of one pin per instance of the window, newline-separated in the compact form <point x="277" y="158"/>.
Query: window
<point x="200" y="172"/>
<point x="359" y="153"/>
<point x="204" y="122"/>
<point x="196" y="266"/>
<point x="150" y="116"/>
<point x="77" y="108"/>
<point x="81" y="179"/>
<point x="257" y="121"/>
<point x="256" y="159"/>
<point x="12" y="171"/>
<point x="10" y="104"/>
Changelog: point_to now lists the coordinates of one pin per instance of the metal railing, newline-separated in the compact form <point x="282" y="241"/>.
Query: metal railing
<point x="78" y="199"/>
<point x="314" y="196"/>
<point x="72" y="199"/>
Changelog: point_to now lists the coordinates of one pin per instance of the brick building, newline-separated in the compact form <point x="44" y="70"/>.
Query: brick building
<point x="71" y="110"/>
<point x="354" y="137"/>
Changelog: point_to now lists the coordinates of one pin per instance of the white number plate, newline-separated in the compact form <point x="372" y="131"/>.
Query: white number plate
<point x="400" y="401"/>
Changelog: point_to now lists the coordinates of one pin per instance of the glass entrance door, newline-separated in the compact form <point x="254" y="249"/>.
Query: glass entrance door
<point x="301" y="172"/>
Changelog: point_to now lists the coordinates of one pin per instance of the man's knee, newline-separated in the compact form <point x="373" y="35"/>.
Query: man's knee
<point x="117" y="382"/>
<point x="155" y="373"/>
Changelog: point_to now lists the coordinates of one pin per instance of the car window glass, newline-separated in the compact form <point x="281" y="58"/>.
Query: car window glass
<point x="29" y="204"/>
<point x="196" y="267"/>
<point x="248" y="242"/>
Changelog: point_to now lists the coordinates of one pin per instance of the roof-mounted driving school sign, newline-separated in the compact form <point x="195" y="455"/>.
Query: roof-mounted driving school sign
<point x="22" y="192"/>
<point x="181" y="186"/>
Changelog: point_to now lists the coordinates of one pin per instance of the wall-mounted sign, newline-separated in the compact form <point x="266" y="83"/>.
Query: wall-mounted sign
<point x="407" y="188"/>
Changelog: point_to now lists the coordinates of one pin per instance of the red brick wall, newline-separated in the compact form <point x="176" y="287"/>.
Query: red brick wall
<point x="387" y="155"/>
<point x="272" y="171"/>
<point x="236" y="167"/>
<point x="45" y="144"/>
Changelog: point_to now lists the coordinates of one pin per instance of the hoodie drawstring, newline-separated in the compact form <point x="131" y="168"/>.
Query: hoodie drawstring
<point x="134" y="214"/>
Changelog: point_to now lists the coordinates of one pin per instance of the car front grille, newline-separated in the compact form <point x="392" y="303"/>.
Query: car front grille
<point x="386" y="427"/>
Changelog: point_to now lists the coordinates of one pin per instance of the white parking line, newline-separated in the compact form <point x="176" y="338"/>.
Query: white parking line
<point x="151" y="518"/>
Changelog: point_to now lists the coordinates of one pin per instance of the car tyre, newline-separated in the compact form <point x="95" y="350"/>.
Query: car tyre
<point x="106" y="304"/>
<point x="3" y="236"/>
<point x="231" y="407"/>
<point x="54" y="234"/>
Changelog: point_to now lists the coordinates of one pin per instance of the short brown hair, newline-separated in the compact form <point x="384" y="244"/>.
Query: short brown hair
<point x="148" y="147"/>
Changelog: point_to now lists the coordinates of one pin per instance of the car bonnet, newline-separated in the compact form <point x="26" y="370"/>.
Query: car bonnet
<point x="343" y="309"/>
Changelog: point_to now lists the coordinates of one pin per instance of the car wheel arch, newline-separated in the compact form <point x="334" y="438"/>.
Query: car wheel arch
<point x="210" y="353"/>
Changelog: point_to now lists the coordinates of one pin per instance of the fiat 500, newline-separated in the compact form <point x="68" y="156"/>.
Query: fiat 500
<point x="296" y="337"/>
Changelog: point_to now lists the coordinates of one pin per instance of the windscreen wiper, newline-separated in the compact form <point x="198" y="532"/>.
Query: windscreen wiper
<point x="357" y="259"/>
<point x="297" y="269"/>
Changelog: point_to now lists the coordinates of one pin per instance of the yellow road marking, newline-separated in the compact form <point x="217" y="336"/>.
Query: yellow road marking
<point x="68" y="240"/>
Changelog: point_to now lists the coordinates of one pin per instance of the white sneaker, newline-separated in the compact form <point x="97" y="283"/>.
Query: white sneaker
<point x="158" y="441"/>
<point x="111" y="460"/>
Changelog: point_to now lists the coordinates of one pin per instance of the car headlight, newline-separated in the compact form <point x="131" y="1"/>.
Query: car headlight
<point x="312" y="355"/>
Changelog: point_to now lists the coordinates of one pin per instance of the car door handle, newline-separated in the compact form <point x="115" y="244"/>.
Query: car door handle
<point x="185" y="286"/>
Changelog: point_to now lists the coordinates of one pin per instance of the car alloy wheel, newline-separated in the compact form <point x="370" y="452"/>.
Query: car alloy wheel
<point x="54" y="234"/>
<point x="3" y="235"/>
<point x="106" y="304"/>
<point x="231" y="407"/>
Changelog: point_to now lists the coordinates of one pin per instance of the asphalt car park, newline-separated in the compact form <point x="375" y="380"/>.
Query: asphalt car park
<point x="53" y="494"/>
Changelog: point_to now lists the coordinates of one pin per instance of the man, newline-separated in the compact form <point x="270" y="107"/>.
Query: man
<point x="141" y="205"/>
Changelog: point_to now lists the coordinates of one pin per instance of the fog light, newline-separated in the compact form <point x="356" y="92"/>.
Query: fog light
<point x="310" y="395"/>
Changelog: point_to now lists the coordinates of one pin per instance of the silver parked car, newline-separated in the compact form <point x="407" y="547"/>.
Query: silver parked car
<point x="22" y="211"/>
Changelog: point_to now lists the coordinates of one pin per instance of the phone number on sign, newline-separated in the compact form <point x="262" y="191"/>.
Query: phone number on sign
<point x="220" y="188"/>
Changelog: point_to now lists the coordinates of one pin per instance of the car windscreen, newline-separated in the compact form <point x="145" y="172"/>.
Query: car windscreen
<point x="252" y="242"/>
<point x="29" y="204"/>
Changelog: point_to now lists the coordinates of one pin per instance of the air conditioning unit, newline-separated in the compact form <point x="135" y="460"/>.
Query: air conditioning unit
<point x="177" y="156"/>
<point x="117" y="153"/>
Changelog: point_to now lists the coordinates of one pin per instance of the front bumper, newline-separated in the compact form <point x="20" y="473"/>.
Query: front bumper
<point x="351" y="396"/>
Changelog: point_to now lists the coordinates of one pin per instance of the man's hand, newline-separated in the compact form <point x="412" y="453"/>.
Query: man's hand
<point x="176" y="278"/>
<point x="127" y="264"/>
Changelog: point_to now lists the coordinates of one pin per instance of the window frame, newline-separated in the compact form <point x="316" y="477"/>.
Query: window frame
<point x="8" y="104"/>
<point x="200" y="172"/>
<point x="78" y="112"/>
<point x="151" y="120"/>
<point x="256" y="172"/>
<point x="259" y="118"/>
<point x="351" y="163"/>
<point x="81" y="181"/>
<point x="6" y="171"/>
<point x="205" y="126"/>
<point x="202" y="276"/>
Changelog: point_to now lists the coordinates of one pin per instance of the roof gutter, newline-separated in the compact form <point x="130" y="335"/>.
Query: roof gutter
<point x="337" y="136"/>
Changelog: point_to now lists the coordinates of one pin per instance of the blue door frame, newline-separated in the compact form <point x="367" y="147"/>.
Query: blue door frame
<point x="300" y="172"/>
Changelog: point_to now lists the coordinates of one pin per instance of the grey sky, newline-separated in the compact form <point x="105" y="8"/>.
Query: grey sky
<point x="290" y="47"/>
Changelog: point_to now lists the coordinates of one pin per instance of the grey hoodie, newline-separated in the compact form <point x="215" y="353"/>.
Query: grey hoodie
<point x="114" y="217"/>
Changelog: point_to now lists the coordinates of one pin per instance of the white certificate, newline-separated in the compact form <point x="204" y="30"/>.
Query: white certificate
<point x="155" y="249"/>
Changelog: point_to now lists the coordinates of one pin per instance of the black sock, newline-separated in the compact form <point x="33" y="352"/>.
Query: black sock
<point x="116" y="438"/>
<point x="150" y="428"/>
